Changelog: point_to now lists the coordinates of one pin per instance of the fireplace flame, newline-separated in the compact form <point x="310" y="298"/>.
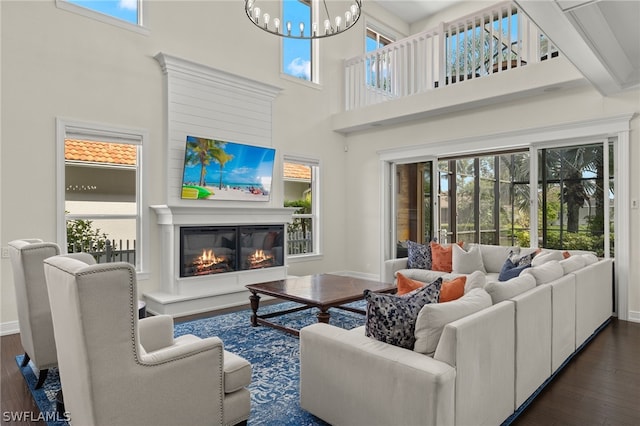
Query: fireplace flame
<point x="209" y="258"/>
<point x="260" y="259"/>
<point x="258" y="256"/>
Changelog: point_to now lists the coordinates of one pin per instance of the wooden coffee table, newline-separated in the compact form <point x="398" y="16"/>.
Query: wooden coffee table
<point x="321" y="291"/>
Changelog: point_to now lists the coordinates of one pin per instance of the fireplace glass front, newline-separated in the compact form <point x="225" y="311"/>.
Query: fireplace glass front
<point x="261" y="246"/>
<point x="207" y="250"/>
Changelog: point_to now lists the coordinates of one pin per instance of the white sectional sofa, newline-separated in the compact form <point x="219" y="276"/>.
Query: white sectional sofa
<point x="486" y="365"/>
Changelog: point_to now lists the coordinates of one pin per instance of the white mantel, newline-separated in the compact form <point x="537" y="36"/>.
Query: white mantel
<point x="220" y="215"/>
<point x="182" y="296"/>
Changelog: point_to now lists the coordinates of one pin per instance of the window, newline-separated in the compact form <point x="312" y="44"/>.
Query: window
<point x="486" y="199"/>
<point x="297" y="54"/>
<point x="576" y="191"/>
<point x="100" y="178"/>
<point x="376" y="40"/>
<point x="378" y="65"/>
<point x="301" y="177"/>
<point x="123" y="13"/>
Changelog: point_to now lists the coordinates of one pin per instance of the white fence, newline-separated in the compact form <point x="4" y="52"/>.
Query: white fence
<point x="493" y="40"/>
<point x="299" y="242"/>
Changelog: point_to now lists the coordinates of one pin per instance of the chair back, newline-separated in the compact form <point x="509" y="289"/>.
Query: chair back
<point x="95" y="317"/>
<point x="32" y="299"/>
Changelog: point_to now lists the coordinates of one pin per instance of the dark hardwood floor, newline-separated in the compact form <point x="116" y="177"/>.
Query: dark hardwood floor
<point x="600" y="386"/>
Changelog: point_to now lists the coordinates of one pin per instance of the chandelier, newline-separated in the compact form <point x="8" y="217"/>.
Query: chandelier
<point x="329" y="24"/>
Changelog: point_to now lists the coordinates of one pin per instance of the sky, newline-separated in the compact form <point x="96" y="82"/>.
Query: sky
<point x="127" y="10"/>
<point x="297" y="53"/>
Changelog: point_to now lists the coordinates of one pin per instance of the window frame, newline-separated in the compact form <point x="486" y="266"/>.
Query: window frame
<point x="315" y="207"/>
<point x="380" y="30"/>
<point x="140" y="27"/>
<point x="69" y="129"/>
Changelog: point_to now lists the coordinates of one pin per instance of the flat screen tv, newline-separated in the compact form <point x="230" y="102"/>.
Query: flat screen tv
<point x="222" y="170"/>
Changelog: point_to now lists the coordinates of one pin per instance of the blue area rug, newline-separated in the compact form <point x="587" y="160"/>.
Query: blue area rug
<point x="273" y="354"/>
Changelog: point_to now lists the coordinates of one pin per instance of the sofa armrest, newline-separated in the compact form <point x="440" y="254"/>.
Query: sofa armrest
<point x="156" y="332"/>
<point x="594" y="298"/>
<point x="348" y="378"/>
<point x="392" y="266"/>
<point x="481" y="347"/>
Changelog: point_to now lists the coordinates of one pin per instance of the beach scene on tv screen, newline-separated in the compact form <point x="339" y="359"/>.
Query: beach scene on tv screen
<point x="224" y="170"/>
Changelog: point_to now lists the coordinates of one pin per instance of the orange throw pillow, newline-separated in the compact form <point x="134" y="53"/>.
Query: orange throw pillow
<point x="566" y="254"/>
<point x="407" y="285"/>
<point x="452" y="290"/>
<point x="441" y="257"/>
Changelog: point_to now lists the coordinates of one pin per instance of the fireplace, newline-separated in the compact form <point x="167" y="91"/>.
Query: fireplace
<point x="207" y="250"/>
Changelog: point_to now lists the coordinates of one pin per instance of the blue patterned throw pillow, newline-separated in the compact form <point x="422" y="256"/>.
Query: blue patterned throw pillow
<point x="514" y="266"/>
<point x="392" y="319"/>
<point x="419" y="255"/>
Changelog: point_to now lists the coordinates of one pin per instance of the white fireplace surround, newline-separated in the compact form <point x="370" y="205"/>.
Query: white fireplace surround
<point x="182" y="296"/>
<point x="207" y="102"/>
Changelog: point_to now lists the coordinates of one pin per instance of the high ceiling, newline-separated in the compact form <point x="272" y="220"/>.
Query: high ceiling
<point x="600" y="37"/>
<point x="414" y="10"/>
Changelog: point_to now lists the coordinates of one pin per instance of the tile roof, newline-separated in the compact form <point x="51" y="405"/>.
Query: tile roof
<point x="100" y="152"/>
<point x="297" y="171"/>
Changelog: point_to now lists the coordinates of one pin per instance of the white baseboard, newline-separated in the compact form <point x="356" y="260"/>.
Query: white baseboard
<point x="11" y="327"/>
<point x="634" y="316"/>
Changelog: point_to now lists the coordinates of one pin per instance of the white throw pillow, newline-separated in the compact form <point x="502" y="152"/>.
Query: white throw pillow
<point x="424" y="275"/>
<point x="493" y="257"/>
<point x="589" y="258"/>
<point x="434" y="316"/>
<point x="503" y="290"/>
<point x="546" y="256"/>
<point x="547" y="272"/>
<point x="572" y="263"/>
<point x="466" y="262"/>
<point x="475" y="280"/>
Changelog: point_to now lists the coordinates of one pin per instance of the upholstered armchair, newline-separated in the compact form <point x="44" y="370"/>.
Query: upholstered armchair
<point x="34" y="314"/>
<point x="118" y="370"/>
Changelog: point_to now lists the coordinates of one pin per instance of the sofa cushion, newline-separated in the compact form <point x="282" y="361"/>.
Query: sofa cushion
<point x="433" y="317"/>
<point x="407" y="285"/>
<point x="547" y="272"/>
<point x="452" y="290"/>
<point x="546" y="256"/>
<point x="572" y="263"/>
<point x="391" y="319"/>
<point x="493" y="257"/>
<point x="503" y="290"/>
<point x="441" y="257"/>
<point x="476" y="279"/>
<point x="237" y="372"/>
<point x="418" y="255"/>
<point x="466" y="262"/>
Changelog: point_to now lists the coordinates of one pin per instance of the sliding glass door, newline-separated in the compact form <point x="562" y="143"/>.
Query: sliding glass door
<point x="413" y="204"/>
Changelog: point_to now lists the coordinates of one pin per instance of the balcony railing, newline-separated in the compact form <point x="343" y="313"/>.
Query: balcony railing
<point x="490" y="41"/>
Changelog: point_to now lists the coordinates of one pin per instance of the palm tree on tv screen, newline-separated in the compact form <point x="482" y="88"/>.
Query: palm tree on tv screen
<point x="221" y="157"/>
<point x="199" y="151"/>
